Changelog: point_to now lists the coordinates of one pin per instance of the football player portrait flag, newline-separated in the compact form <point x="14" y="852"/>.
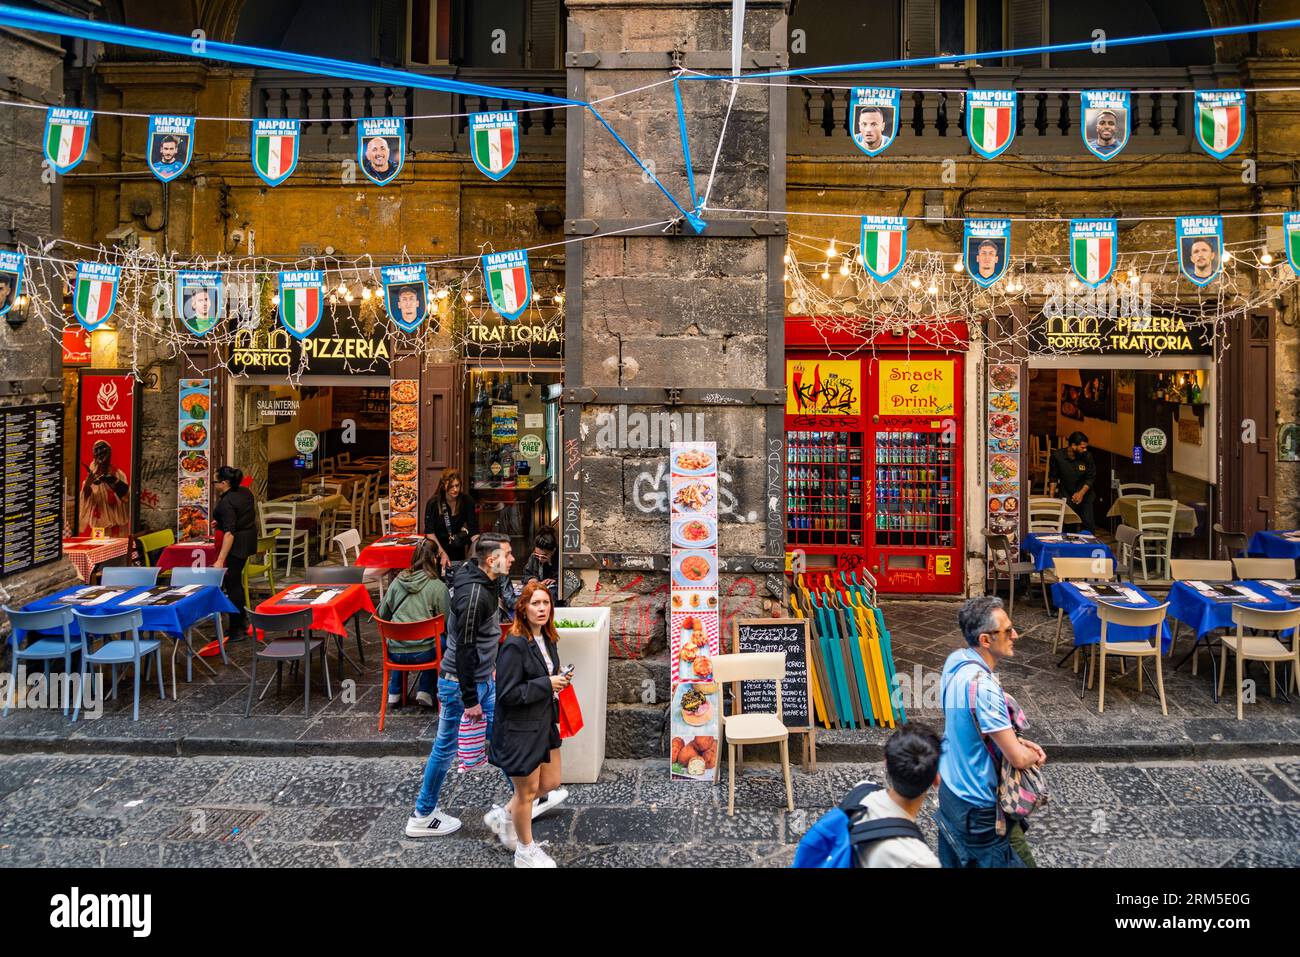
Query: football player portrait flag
<point x="985" y="245"/>
<point x="275" y="149"/>
<point x="95" y="293"/>
<point x="494" y="142"/>
<point x="874" y="114"/>
<point x="1200" y="247"/>
<point x="406" y="294"/>
<point x="67" y="136"/>
<point x="1220" y="120"/>
<point x="198" y="300"/>
<point x="990" y="121"/>
<point x="170" y="145"/>
<point x="1291" y="230"/>
<point x="883" y="245"/>
<point x="510" y="287"/>
<point x="1093" y="247"/>
<point x="1105" y="126"/>
<point x="381" y="147"/>
<point x="301" y="292"/>
<point x="11" y="278"/>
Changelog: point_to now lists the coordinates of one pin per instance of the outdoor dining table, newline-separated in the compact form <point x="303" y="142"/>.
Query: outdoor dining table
<point x="172" y="611"/>
<point x="1126" y="508"/>
<point x="311" y="506"/>
<point x="201" y="554"/>
<point x="332" y="607"/>
<point x="389" y="551"/>
<point x="1274" y="545"/>
<point x="1206" y="607"/>
<point x="1042" y="547"/>
<point x="1079" y="601"/>
<point x="85" y="552"/>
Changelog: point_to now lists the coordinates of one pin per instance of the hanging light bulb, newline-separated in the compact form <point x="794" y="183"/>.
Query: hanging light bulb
<point x="786" y="259"/>
<point x="469" y="297"/>
<point x="826" y="273"/>
<point x="933" y="290"/>
<point x="830" y="250"/>
<point x="1266" y="258"/>
<point x="348" y="297"/>
<point x="916" y="283"/>
<point x="444" y="292"/>
<point x="785" y="277"/>
<point x="844" y="268"/>
<point x="343" y="288"/>
<point x="559" y="297"/>
<point x="1227" y="256"/>
<point x="1074" y="283"/>
<point x="858" y="259"/>
<point x="537" y="296"/>
<point x="366" y="293"/>
<point x="958" y="266"/>
<point x="275" y="299"/>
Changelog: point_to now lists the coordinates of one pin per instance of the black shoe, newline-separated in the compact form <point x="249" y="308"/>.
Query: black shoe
<point x="242" y="633"/>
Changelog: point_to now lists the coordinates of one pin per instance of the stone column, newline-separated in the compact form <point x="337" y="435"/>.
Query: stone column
<point x="670" y="335"/>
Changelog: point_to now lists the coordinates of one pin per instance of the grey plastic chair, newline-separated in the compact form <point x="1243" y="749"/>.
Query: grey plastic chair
<point x="119" y="651"/>
<point x="297" y="649"/>
<point x="347" y="575"/>
<point x="131" y="576"/>
<point x="25" y="625"/>
<point x="198" y="576"/>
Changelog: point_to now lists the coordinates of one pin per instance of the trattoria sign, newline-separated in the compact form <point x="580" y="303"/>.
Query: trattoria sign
<point x="1121" y="336"/>
<point x="338" y="346"/>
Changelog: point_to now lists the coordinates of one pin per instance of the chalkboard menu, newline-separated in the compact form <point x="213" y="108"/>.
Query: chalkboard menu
<point x="31" y="459"/>
<point x="789" y="635"/>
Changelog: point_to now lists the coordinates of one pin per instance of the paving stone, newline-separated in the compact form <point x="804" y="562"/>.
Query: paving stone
<point x="1196" y="821"/>
<point x="636" y="825"/>
<point x="74" y="852"/>
<point x="1270" y="822"/>
<point x="133" y="855"/>
<point x="1064" y="823"/>
<point x="1206" y="784"/>
<point x="711" y="855"/>
<point x="206" y="854"/>
<point x="1078" y="785"/>
<point x="271" y="854"/>
<point x="1064" y="854"/>
<point x="612" y="856"/>
<point x="714" y="824"/>
<point x="1136" y="854"/>
<point x="44" y="823"/>
<point x="774" y="855"/>
<point x="22" y="852"/>
<point x="617" y="785"/>
<point x="1276" y="786"/>
<point x="1268" y="854"/>
<point x="346" y="824"/>
<point x="1289" y="770"/>
<point x="1130" y="785"/>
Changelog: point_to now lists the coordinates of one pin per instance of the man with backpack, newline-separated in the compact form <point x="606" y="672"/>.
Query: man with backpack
<point x="875" y="826"/>
<point x="979" y="726"/>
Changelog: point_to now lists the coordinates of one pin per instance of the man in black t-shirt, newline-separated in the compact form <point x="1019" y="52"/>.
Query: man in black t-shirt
<point x="1075" y="473"/>
<point x="235" y="516"/>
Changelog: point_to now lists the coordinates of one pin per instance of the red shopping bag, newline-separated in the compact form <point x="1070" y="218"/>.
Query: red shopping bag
<point x="570" y="713"/>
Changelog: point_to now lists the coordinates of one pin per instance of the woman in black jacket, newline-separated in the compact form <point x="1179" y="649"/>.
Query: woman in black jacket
<point x="451" y="519"/>
<point x="526" y="732"/>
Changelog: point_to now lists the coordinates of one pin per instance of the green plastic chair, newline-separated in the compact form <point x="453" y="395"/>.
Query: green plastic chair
<point x="261" y="564"/>
<point x="152" y="542"/>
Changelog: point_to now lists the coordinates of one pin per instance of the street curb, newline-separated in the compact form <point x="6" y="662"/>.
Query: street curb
<point x="827" y="753"/>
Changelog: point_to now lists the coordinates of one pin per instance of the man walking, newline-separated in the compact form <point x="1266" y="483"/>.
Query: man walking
<point x="968" y="776"/>
<point x="1075" y="472"/>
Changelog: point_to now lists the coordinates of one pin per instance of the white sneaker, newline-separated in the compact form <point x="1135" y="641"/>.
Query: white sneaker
<point x="532" y="855"/>
<point x="394" y="699"/>
<point x="437" y="824"/>
<point x="424" y="698"/>
<point x="500" y="823"/>
<point x="549" y="802"/>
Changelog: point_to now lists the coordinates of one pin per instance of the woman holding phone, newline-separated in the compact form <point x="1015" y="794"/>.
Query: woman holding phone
<point x="526" y="733"/>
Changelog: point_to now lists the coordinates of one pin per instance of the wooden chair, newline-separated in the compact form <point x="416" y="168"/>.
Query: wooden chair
<point x="385" y="516"/>
<point x="1199" y="570"/>
<point x="151" y="543"/>
<point x="1001" y="557"/>
<point x="1047" y="515"/>
<point x="299" y="646"/>
<point x="291" y="539"/>
<point x="344" y="458"/>
<point x="1156" y="534"/>
<point x="406" y="631"/>
<point x="349" y="546"/>
<point x="1125" y="616"/>
<point x="1268" y="648"/>
<point x="1257" y="568"/>
<point x="1126" y="539"/>
<point x="1137" y="488"/>
<point x="328" y="516"/>
<point x="739" y="730"/>
<point x="1078" y="570"/>
<point x="1231" y="544"/>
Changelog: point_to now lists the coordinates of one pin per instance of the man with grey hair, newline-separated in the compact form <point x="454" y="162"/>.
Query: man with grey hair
<point x="977" y="726"/>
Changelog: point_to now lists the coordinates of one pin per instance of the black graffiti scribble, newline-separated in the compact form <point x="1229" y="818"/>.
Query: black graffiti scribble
<point x="832" y="395"/>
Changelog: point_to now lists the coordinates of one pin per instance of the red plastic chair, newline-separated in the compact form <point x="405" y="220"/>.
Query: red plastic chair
<point x="407" y="631"/>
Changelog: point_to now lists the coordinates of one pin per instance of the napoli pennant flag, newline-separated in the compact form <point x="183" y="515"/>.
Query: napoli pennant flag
<point x="1093" y="247"/>
<point x="67" y="135"/>
<point x="11" y="278"/>
<point x="990" y="120"/>
<point x="275" y="149"/>
<point x="95" y="293"/>
<point x="874" y="115"/>
<point x="300" y="300"/>
<point x="510" y="287"/>
<point x="494" y="142"/>
<point x="1220" y="120"/>
<point x="198" y="300"/>
<point x="170" y="146"/>
<point x="985" y="245"/>
<point x="1105" y="125"/>
<point x="406" y="294"/>
<point x="1291" y="227"/>
<point x="381" y="147"/>
<point x="884" y="245"/>
<point x="1200" y="247"/>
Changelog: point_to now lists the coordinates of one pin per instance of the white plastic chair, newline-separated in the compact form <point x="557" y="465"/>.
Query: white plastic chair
<point x="349" y="546"/>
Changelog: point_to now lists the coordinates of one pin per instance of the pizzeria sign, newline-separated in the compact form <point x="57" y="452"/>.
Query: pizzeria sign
<point x="1120" y="335"/>
<point x="340" y="345"/>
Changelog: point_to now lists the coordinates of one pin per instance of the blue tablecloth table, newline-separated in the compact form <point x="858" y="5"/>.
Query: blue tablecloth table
<point x="1043" y="547"/>
<point x="1274" y="545"/>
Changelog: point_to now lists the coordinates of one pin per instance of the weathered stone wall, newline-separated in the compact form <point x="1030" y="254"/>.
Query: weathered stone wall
<point x="33" y="67"/>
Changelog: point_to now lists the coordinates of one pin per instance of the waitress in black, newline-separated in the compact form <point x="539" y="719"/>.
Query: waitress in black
<point x="526" y="730"/>
<point x="451" y="519"/>
<point x="235" y="516"/>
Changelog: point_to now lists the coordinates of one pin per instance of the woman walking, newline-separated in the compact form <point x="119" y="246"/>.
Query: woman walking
<point x="526" y="733"/>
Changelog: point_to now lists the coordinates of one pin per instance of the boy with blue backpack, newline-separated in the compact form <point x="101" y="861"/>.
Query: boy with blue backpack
<point x="875" y="826"/>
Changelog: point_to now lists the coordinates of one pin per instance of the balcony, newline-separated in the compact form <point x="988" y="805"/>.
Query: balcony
<point x="1047" y="124"/>
<point x="328" y="108"/>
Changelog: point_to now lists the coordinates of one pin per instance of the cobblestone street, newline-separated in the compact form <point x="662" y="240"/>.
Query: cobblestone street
<point x="93" y="811"/>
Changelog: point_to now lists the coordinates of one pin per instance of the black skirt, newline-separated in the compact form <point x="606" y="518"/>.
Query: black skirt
<point x="520" y="747"/>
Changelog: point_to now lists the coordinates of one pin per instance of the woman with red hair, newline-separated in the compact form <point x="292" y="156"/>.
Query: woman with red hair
<point x="526" y="732"/>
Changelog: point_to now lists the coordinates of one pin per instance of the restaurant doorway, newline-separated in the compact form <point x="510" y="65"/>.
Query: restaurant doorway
<point x="1152" y="431"/>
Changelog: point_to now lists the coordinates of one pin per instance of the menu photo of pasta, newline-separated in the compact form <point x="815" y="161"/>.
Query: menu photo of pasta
<point x="403" y="460"/>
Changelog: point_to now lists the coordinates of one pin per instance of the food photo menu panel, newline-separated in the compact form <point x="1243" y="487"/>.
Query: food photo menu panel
<point x="404" y="462"/>
<point x="193" y="460"/>
<point x="693" y="636"/>
<point x="1006" y="459"/>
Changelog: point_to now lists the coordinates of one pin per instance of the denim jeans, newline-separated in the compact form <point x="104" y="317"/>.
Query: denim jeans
<point x="426" y="680"/>
<point x="968" y="835"/>
<point x="450" y="709"/>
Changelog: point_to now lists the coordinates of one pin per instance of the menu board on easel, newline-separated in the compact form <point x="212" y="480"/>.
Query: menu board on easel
<point x="693" y="623"/>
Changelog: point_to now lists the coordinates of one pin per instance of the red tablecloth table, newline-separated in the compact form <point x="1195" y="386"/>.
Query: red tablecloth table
<point x="188" y="555"/>
<point x="331" y="617"/>
<point x="85" y="553"/>
<point x="389" y="551"/>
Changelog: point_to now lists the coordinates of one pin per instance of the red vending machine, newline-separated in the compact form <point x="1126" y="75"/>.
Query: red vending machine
<point x="874" y="456"/>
